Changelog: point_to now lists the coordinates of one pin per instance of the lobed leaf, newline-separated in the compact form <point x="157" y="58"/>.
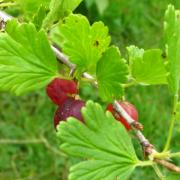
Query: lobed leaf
<point x="102" y="141"/>
<point x="112" y="72"/>
<point x="26" y="59"/>
<point x="84" y="44"/>
<point x="147" y="67"/>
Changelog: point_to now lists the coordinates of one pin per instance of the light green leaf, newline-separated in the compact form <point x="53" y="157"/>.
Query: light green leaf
<point x="172" y="36"/>
<point x="102" y="141"/>
<point x="101" y="5"/>
<point x="26" y="59"/>
<point x="84" y="44"/>
<point x="112" y="72"/>
<point x="59" y="9"/>
<point x="134" y="53"/>
<point x="147" y="67"/>
<point x="97" y="169"/>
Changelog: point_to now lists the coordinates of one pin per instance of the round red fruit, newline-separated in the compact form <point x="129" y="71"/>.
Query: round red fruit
<point x="129" y="108"/>
<point x="70" y="108"/>
<point x="59" y="89"/>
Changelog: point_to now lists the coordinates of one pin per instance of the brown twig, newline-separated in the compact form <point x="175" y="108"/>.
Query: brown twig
<point x="168" y="165"/>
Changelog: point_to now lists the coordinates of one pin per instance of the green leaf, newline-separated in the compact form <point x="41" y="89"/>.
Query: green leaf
<point x="102" y="141"/>
<point x="26" y="59"/>
<point x="84" y="44"/>
<point x="112" y="72"/>
<point x="39" y="17"/>
<point x="59" y="9"/>
<point x="134" y="53"/>
<point x="172" y="36"/>
<point x="29" y="7"/>
<point x="102" y="5"/>
<point x="147" y="67"/>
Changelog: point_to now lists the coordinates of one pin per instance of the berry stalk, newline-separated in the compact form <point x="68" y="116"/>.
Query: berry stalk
<point x="172" y="122"/>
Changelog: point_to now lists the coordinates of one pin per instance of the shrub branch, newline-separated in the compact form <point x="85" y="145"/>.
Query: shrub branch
<point x="148" y="148"/>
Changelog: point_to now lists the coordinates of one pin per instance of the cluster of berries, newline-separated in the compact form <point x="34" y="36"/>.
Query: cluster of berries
<point x="63" y="93"/>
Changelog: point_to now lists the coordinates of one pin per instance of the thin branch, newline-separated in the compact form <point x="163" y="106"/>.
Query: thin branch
<point x="172" y="123"/>
<point x="62" y="58"/>
<point x="2" y="5"/>
<point x="42" y="141"/>
<point x="158" y="172"/>
<point x="174" y="155"/>
<point x="168" y="165"/>
<point x="51" y="148"/>
<point x="24" y="141"/>
<point x="4" y="16"/>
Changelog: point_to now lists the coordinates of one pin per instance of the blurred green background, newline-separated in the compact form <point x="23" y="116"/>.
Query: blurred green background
<point x="28" y="144"/>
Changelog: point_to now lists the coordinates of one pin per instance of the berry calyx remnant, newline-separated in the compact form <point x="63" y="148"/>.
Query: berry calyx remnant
<point x="129" y="108"/>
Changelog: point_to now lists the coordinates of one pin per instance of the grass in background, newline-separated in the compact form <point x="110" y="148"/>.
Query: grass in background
<point x="28" y="146"/>
<point x="30" y="117"/>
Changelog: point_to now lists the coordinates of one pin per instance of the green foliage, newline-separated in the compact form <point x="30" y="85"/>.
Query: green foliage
<point x="84" y="44"/>
<point x="100" y="141"/>
<point x="26" y="60"/>
<point x="127" y="28"/>
<point x="39" y="17"/>
<point x="29" y="118"/>
<point x="173" y="176"/>
<point x="101" y="4"/>
<point x="147" y="67"/>
<point x="29" y="7"/>
<point x="172" y="31"/>
<point x="59" y="9"/>
<point x="112" y="72"/>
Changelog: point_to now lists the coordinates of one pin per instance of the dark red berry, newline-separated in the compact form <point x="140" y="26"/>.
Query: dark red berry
<point x="129" y="108"/>
<point x="59" y="89"/>
<point x="70" y="108"/>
